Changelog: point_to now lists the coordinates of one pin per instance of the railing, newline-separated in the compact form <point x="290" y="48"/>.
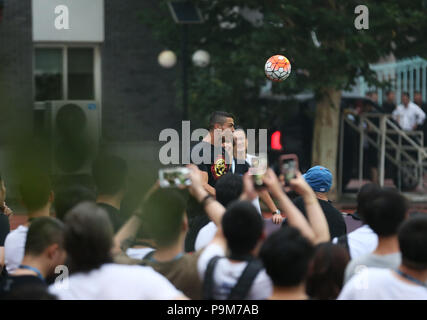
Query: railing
<point x="408" y="75"/>
<point x="405" y="153"/>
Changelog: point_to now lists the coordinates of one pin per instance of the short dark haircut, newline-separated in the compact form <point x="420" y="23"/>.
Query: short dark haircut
<point x="386" y="212"/>
<point x="417" y="92"/>
<point x="163" y="214"/>
<point x="412" y="242"/>
<point x="366" y="194"/>
<point x="326" y="275"/>
<point x="405" y="94"/>
<point x="218" y="117"/>
<point x="67" y="197"/>
<point x="88" y="237"/>
<point x="42" y="233"/>
<point x="242" y="226"/>
<point x="286" y="255"/>
<point x="110" y="174"/>
<point x="35" y="188"/>
<point x="387" y="93"/>
<point x="228" y="188"/>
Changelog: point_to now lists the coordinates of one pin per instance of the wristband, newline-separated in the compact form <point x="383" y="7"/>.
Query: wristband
<point x="277" y="212"/>
<point x="206" y="198"/>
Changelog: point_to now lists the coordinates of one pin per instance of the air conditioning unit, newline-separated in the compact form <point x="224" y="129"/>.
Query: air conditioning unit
<point x="73" y="131"/>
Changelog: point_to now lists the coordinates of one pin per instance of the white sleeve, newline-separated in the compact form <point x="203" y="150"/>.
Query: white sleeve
<point x="347" y="292"/>
<point x="421" y="115"/>
<point x="395" y="113"/>
<point x="156" y="287"/>
<point x="209" y="252"/>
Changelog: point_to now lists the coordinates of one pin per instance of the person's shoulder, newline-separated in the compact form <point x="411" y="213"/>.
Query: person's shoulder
<point x="17" y="233"/>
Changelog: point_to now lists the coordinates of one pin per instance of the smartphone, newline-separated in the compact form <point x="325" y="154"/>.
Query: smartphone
<point x="178" y="177"/>
<point x="257" y="170"/>
<point x="288" y="165"/>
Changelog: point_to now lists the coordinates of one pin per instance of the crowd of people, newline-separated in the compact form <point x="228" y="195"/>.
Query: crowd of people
<point x="209" y="240"/>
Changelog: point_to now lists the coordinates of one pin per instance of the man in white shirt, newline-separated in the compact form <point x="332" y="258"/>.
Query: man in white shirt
<point x="363" y="240"/>
<point x="240" y="146"/>
<point x="384" y="215"/>
<point x="93" y="276"/>
<point x="408" y="115"/>
<point x="37" y="197"/>
<point x="408" y="281"/>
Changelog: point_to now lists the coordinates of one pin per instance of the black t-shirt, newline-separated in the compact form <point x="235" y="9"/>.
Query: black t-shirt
<point x="336" y="223"/>
<point x="4" y="228"/>
<point x="22" y="287"/>
<point x="388" y="107"/>
<point x="217" y="165"/>
<point x="117" y="219"/>
<point x="240" y="168"/>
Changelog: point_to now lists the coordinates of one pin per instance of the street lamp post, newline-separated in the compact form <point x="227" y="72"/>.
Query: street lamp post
<point x="184" y="12"/>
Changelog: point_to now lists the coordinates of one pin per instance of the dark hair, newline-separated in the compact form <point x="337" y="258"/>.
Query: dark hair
<point x="42" y="233"/>
<point x="417" y="92"/>
<point x="228" y="188"/>
<point x="286" y="255"/>
<point x="385" y="212"/>
<point x="66" y="198"/>
<point x="88" y="237"/>
<point x="405" y="94"/>
<point x="412" y="242"/>
<point x="35" y="188"/>
<point x="365" y="196"/>
<point x="218" y="117"/>
<point x="163" y="214"/>
<point x="110" y="174"/>
<point x="242" y="226"/>
<point x="326" y="275"/>
<point x="387" y="93"/>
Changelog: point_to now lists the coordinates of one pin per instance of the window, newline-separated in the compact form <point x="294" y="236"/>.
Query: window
<point x="80" y="74"/>
<point x="64" y="73"/>
<point x="48" y="74"/>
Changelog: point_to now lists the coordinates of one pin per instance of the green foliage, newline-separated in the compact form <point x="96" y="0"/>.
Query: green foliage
<point x="238" y="54"/>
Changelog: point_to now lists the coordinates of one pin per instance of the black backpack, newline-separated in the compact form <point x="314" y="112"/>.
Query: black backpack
<point x="243" y="285"/>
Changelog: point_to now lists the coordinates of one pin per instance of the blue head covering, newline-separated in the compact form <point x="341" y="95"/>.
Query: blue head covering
<point x="319" y="178"/>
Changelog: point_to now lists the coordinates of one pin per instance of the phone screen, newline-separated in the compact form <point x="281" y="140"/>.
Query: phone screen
<point x="174" y="177"/>
<point x="289" y="167"/>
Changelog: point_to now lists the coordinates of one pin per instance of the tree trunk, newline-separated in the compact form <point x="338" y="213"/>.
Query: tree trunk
<point x="326" y="133"/>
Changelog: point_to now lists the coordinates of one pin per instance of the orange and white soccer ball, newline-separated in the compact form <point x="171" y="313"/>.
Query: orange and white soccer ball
<point x="277" y="68"/>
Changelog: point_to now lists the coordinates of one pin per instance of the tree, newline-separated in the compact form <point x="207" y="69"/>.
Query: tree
<point x="320" y="39"/>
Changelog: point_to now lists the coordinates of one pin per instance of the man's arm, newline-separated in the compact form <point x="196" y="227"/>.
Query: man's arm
<point x="206" y="185"/>
<point x="213" y="208"/>
<point x="265" y="197"/>
<point x="421" y="116"/>
<point x="129" y="230"/>
<point x="1" y="259"/>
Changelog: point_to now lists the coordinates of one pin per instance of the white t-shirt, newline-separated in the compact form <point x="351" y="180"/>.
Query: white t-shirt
<point x="361" y="241"/>
<point x="409" y="116"/>
<point x="116" y="282"/>
<point x="226" y="275"/>
<point x="249" y="158"/>
<point x="205" y="235"/>
<point x="138" y="253"/>
<point x="380" y="284"/>
<point x="14" y="248"/>
<point x="371" y="260"/>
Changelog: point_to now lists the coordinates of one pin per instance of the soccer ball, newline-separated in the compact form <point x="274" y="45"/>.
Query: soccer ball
<point x="277" y="68"/>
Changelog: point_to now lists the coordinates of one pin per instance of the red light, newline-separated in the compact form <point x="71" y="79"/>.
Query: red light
<point x="275" y="140"/>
